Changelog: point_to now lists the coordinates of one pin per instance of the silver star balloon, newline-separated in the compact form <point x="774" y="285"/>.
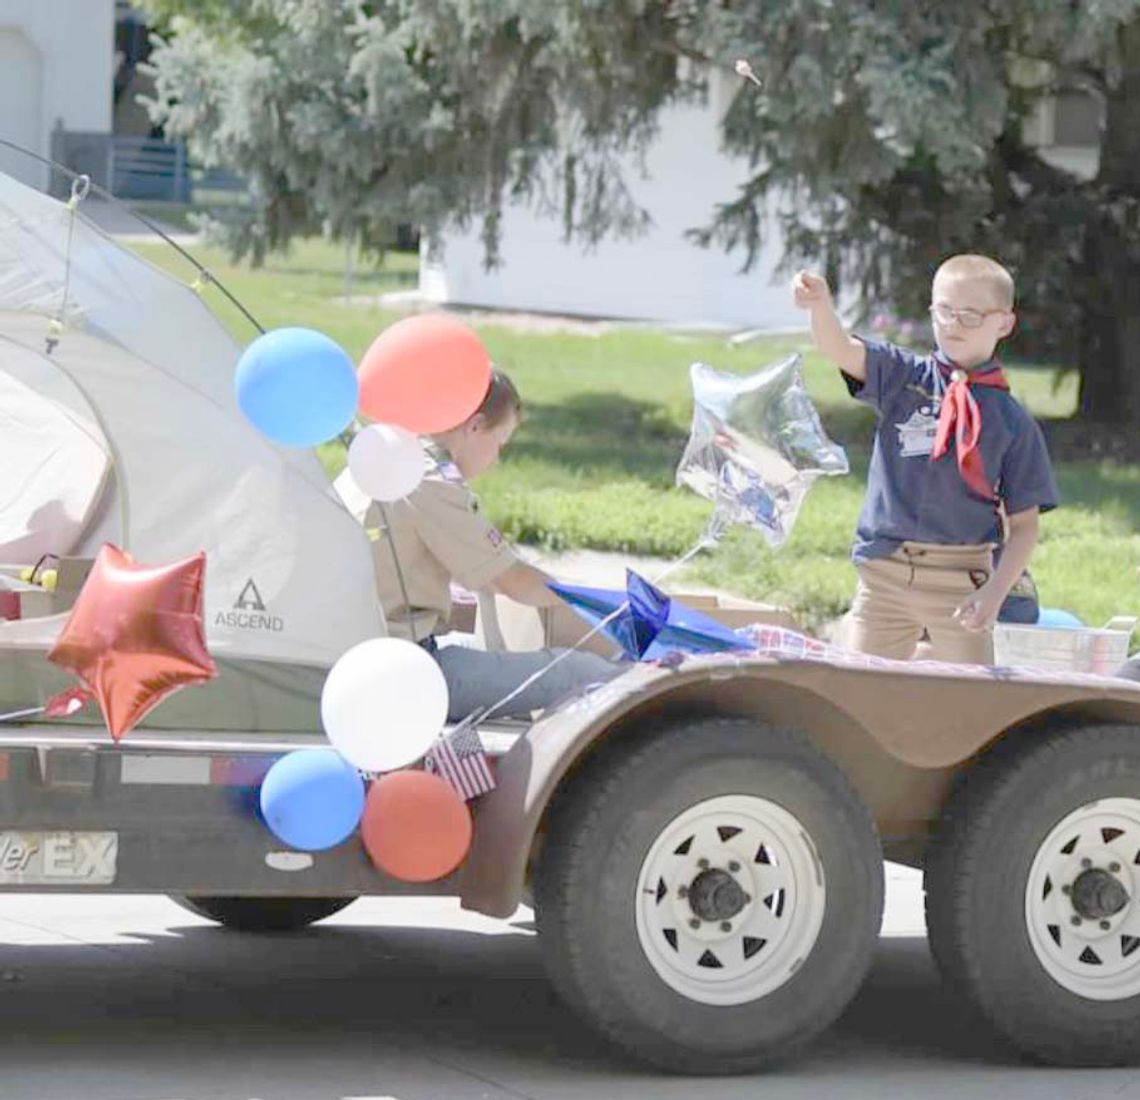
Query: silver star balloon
<point x="755" y="447"/>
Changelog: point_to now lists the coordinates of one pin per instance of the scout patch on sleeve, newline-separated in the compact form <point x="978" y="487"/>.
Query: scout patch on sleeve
<point x="494" y="537"/>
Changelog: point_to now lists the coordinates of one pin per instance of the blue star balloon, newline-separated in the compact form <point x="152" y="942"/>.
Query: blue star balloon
<point x="650" y="624"/>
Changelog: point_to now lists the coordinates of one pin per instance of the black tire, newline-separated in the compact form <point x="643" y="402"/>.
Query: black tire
<point x="603" y="833"/>
<point x="261" y="914"/>
<point x="1006" y="828"/>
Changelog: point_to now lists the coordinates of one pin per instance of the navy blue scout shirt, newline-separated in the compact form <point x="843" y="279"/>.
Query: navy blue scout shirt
<point x="910" y="498"/>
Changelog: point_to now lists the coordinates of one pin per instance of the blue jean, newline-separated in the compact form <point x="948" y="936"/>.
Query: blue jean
<point x="477" y="678"/>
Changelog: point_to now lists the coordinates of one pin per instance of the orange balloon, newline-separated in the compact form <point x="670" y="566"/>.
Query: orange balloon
<point x="415" y="827"/>
<point x="426" y="373"/>
<point x="135" y="634"/>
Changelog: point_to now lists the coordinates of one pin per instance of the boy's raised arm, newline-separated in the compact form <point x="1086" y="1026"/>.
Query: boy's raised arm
<point x="831" y="338"/>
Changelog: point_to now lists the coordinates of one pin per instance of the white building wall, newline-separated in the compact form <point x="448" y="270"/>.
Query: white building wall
<point x="56" y="63"/>
<point x="659" y="276"/>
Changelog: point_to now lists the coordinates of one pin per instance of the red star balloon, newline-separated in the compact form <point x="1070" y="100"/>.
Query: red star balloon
<point x="135" y="634"/>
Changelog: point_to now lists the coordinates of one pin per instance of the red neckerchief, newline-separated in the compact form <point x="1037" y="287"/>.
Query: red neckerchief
<point x="960" y="414"/>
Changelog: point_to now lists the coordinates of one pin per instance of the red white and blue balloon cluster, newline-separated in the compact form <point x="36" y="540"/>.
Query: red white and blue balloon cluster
<point x="385" y="701"/>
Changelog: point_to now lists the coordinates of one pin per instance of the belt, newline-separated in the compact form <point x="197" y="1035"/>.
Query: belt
<point x="953" y="554"/>
<point x="429" y="643"/>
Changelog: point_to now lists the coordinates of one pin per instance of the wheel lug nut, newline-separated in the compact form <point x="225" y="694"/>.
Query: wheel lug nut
<point x="1075" y="921"/>
<point x="1105" y="926"/>
<point x="726" y="926"/>
<point x="1066" y="889"/>
<point x="694" y="923"/>
<point x="1086" y="862"/>
<point x="1114" y="867"/>
<point x="682" y="891"/>
<point x="747" y="899"/>
<point x="734" y="866"/>
<point x="703" y="864"/>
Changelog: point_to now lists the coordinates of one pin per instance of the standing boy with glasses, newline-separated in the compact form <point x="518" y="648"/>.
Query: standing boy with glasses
<point x="952" y="447"/>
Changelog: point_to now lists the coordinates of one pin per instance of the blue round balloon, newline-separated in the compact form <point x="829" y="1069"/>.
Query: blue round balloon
<point x="1055" y="616"/>
<point x="296" y="386"/>
<point x="312" y="799"/>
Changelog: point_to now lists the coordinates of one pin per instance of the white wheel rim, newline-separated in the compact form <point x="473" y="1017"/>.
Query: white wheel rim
<point x="1092" y="953"/>
<point x="768" y="855"/>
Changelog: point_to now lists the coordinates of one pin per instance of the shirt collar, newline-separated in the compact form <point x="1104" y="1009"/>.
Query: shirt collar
<point x="439" y="460"/>
<point x="946" y="364"/>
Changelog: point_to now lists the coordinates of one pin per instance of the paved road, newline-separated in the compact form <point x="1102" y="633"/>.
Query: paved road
<point x="105" y="998"/>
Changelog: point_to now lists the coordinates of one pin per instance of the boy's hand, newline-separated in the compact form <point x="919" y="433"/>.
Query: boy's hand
<point x="980" y="611"/>
<point x="831" y="338"/>
<point x="811" y="291"/>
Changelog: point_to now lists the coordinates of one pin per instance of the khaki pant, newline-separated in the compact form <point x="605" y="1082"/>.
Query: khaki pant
<point x="917" y="589"/>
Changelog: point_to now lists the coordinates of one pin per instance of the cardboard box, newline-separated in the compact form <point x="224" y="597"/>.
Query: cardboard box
<point x="464" y="608"/>
<point x="72" y="574"/>
<point x="734" y="611"/>
<point x="525" y="628"/>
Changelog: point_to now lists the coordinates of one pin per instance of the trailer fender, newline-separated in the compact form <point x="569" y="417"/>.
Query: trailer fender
<point x="901" y="734"/>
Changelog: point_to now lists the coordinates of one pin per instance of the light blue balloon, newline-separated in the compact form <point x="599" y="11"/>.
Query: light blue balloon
<point x="1055" y="616"/>
<point x="296" y="386"/>
<point x="312" y="799"/>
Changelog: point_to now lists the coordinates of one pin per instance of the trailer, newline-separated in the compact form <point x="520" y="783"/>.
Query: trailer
<point x="702" y="842"/>
<point x="703" y="846"/>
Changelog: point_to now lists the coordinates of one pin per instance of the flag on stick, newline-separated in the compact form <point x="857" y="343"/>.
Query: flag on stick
<point x="459" y="758"/>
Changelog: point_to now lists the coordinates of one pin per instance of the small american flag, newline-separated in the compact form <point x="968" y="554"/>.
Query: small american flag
<point x="459" y="758"/>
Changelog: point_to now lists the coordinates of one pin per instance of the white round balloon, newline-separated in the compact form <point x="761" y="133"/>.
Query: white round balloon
<point x="386" y="461"/>
<point x="383" y="704"/>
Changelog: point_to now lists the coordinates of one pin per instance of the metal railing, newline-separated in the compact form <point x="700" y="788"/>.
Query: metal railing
<point x="148" y="168"/>
<point x="139" y="169"/>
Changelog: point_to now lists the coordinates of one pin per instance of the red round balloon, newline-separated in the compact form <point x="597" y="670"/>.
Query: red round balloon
<point x="135" y="634"/>
<point x="426" y="373"/>
<point x="415" y="827"/>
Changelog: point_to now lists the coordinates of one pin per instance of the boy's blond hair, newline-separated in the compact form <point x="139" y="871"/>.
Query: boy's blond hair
<point x="996" y="279"/>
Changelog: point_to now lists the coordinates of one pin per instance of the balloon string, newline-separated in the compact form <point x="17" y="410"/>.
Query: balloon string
<point x="11" y="716"/>
<point x="482" y="714"/>
<point x="399" y="572"/>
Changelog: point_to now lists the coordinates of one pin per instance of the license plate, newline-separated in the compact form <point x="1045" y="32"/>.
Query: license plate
<point x="58" y="859"/>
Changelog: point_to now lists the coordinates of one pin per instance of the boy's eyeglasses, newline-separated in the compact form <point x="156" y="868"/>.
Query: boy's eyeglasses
<point x="967" y="318"/>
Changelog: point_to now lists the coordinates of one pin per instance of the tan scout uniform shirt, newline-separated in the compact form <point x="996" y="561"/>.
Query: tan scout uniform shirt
<point x="440" y="535"/>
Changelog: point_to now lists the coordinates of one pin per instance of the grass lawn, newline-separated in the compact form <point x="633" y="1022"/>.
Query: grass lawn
<point x="607" y="417"/>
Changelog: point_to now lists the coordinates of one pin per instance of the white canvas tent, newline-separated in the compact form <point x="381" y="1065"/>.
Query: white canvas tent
<point x="141" y="381"/>
<point x="55" y="467"/>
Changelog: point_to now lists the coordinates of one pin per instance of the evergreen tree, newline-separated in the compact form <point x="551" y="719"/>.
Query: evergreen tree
<point x="356" y="117"/>
<point x="888" y="134"/>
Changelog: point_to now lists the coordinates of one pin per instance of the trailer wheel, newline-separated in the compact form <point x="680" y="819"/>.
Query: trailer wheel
<point x="709" y="896"/>
<point x="1033" y="895"/>
<point x="261" y="914"/>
